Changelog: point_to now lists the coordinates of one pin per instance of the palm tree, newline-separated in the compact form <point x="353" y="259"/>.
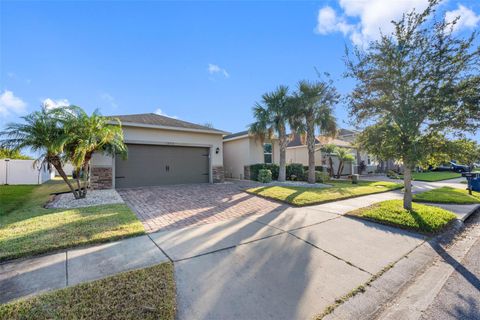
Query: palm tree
<point x="89" y="134"/>
<point x="343" y="155"/>
<point x="330" y="149"/>
<point x="313" y="104"/>
<point x="43" y="133"/>
<point x="272" y="116"/>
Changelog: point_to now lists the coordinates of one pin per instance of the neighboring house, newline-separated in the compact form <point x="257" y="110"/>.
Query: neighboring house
<point x="161" y="150"/>
<point x="297" y="152"/>
<point x="241" y="149"/>
<point x="17" y="171"/>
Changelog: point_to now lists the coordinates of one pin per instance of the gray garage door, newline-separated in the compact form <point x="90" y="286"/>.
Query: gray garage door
<point x="151" y="165"/>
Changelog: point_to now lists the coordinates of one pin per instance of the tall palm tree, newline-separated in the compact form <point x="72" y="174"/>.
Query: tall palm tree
<point x="272" y="115"/>
<point x="44" y="134"/>
<point x="89" y="134"/>
<point x="313" y="103"/>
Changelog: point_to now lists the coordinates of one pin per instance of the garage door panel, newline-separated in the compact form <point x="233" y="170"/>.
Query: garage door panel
<point x="151" y="165"/>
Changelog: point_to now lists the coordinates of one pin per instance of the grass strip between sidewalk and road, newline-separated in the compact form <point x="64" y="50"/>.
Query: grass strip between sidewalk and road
<point x="448" y="195"/>
<point x="140" y="294"/>
<point x="303" y="196"/>
<point x="27" y="228"/>
<point x="422" y="218"/>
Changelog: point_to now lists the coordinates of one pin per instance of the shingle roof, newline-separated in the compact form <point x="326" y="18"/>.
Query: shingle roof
<point x="236" y="134"/>
<point x="345" y="132"/>
<point x="158" y="120"/>
<point x="297" y="141"/>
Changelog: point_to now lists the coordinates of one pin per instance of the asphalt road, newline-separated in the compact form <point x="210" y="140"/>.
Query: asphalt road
<point x="460" y="296"/>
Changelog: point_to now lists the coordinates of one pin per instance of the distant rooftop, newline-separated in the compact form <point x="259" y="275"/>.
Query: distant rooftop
<point x="158" y="120"/>
<point x="236" y="134"/>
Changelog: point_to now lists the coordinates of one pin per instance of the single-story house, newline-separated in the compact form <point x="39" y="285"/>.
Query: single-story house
<point x="242" y="149"/>
<point x="20" y="171"/>
<point x="297" y="152"/>
<point x="161" y="150"/>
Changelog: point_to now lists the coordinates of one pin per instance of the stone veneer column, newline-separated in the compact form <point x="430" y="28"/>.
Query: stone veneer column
<point x="101" y="178"/>
<point x="218" y="174"/>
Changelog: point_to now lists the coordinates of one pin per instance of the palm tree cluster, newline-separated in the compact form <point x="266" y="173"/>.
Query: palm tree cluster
<point x="64" y="135"/>
<point x="308" y="110"/>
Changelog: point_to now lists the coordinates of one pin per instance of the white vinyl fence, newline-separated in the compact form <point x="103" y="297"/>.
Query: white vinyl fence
<point x="23" y="172"/>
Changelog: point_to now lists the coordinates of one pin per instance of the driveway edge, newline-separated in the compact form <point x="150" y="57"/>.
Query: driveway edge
<point x="389" y="283"/>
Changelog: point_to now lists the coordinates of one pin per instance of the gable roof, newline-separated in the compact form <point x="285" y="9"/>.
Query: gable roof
<point x="297" y="141"/>
<point x="346" y="132"/>
<point x="156" y="120"/>
<point x="236" y="134"/>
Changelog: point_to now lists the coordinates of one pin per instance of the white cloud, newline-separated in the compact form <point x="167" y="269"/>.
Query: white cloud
<point x="53" y="104"/>
<point x="9" y="103"/>
<point x="214" y="69"/>
<point x="362" y="20"/>
<point x="467" y="18"/>
<point x="160" y="112"/>
<point x="109" y="99"/>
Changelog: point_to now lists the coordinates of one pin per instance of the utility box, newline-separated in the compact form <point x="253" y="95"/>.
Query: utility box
<point x="355" y="178"/>
<point x="473" y="180"/>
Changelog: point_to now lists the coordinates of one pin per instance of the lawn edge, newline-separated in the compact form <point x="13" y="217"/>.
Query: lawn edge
<point x="351" y="214"/>
<point x="323" y="201"/>
<point x="40" y="253"/>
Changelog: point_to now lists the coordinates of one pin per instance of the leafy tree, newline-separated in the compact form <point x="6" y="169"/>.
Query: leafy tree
<point x="43" y="133"/>
<point x="464" y="151"/>
<point x="272" y="115"/>
<point x="86" y="135"/>
<point x="414" y="85"/>
<point x="12" y="154"/>
<point x="343" y="155"/>
<point x="313" y="108"/>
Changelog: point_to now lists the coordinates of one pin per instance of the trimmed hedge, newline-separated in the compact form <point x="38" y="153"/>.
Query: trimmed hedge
<point x="296" y="169"/>
<point x="320" y="176"/>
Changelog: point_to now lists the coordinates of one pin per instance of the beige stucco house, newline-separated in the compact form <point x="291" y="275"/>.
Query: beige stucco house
<point x="161" y="150"/>
<point x="242" y="149"/>
<point x="297" y="152"/>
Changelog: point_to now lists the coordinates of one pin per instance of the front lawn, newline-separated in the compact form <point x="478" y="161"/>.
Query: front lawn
<point x="27" y="228"/>
<point x="448" y="195"/>
<point x="302" y="196"/>
<point x="423" y="218"/>
<point x="432" y="176"/>
<point x="141" y="294"/>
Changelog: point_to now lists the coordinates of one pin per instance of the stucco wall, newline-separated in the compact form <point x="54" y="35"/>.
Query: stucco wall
<point x="236" y="154"/>
<point x="245" y="151"/>
<point x="300" y="155"/>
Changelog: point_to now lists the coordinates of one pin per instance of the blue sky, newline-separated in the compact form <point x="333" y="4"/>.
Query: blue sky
<point x="198" y="61"/>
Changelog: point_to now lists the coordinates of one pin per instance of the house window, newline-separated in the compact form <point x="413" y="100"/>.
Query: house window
<point x="267" y="153"/>
<point x="368" y="160"/>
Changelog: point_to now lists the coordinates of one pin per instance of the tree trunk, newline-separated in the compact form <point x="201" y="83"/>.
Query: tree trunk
<point x="86" y="175"/>
<point x="282" y="172"/>
<point x="407" y="181"/>
<point x="330" y="162"/>
<point x="59" y="168"/>
<point x="340" y="169"/>
<point x="311" y="149"/>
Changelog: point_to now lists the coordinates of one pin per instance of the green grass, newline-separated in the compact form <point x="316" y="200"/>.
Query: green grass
<point x="448" y="195"/>
<point x="141" y="294"/>
<point x="432" y="176"/>
<point x="423" y="218"/>
<point x="27" y="228"/>
<point x="302" y="196"/>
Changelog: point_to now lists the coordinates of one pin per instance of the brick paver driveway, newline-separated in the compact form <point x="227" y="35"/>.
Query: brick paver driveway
<point x="178" y="206"/>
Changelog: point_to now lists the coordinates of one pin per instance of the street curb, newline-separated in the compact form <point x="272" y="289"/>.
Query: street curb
<point x="465" y="217"/>
<point x="391" y="283"/>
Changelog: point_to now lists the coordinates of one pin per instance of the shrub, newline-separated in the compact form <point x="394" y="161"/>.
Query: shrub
<point x="320" y="176"/>
<point x="255" y="168"/>
<point x="295" y="169"/>
<point x="265" y="175"/>
<point x="317" y="168"/>
<point x="392" y="174"/>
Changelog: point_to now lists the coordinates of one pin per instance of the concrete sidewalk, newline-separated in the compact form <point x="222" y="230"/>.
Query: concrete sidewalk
<point x="287" y="264"/>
